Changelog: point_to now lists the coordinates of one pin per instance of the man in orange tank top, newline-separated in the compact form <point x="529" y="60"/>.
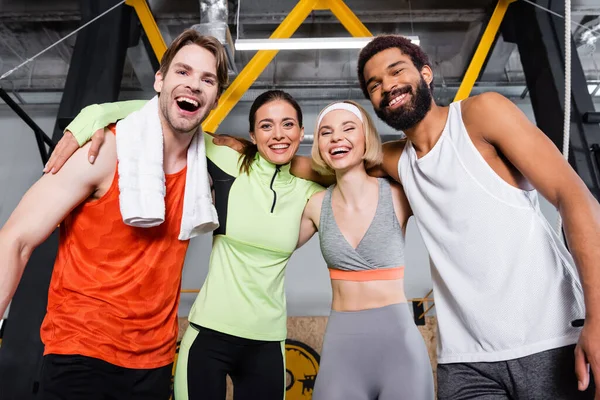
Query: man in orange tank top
<point x="111" y="325"/>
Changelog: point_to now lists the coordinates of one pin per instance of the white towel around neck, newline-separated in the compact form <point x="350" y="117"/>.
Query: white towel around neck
<point x="142" y="177"/>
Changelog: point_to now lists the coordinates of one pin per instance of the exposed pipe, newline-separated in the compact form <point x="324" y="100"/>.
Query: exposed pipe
<point x="213" y="11"/>
<point x="213" y="22"/>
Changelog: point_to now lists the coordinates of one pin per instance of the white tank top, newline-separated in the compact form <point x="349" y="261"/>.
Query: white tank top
<point x="505" y="286"/>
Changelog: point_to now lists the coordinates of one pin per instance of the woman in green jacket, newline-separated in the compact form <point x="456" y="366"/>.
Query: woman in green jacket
<point x="238" y="321"/>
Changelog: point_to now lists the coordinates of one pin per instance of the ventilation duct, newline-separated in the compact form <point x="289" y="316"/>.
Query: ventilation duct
<point x="213" y="22"/>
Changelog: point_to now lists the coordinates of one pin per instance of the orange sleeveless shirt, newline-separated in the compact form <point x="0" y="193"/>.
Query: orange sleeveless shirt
<point x="115" y="289"/>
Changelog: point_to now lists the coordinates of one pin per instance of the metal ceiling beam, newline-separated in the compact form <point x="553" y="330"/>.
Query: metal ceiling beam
<point x="150" y="28"/>
<point x="266" y="18"/>
<point x="390" y="16"/>
<point x="261" y="59"/>
<point x="483" y="50"/>
<point x="260" y="18"/>
<point x="47" y="16"/>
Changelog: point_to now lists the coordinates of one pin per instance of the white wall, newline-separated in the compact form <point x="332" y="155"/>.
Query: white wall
<point x="307" y="281"/>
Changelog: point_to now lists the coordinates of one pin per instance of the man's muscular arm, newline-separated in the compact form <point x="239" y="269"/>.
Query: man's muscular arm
<point x="41" y="209"/>
<point x="391" y="156"/>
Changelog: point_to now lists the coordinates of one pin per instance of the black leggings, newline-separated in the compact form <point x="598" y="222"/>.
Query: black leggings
<point x="206" y="357"/>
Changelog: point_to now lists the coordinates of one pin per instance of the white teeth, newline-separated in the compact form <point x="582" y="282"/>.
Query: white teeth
<point x="398" y="99"/>
<point x="188" y="100"/>
<point x="337" y="150"/>
<point x="279" y="146"/>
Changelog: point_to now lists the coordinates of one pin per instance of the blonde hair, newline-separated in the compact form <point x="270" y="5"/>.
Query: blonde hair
<point x="373" y="154"/>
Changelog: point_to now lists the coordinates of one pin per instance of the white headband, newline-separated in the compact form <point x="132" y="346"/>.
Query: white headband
<point x="340" y="106"/>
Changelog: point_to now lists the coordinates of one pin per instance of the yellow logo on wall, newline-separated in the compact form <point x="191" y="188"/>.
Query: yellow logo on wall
<point x="302" y="365"/>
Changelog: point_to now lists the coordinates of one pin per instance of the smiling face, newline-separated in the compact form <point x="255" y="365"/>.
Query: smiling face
<point x="399" y="92"/>
<point x="277" y="131"/>
<point x="341" y="140"/>
<point x="188" y="90"/>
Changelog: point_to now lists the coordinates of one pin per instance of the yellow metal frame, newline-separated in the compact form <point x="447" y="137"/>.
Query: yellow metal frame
<point x="483" y="49"/>
<point x="286" y="29"/>
<point x="262" y="58"/>
<point x="149" y="24"/>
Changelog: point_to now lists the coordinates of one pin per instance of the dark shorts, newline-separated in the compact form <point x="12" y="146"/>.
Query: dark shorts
<point x="542" y="376"/>
<point x="75" y="377"/>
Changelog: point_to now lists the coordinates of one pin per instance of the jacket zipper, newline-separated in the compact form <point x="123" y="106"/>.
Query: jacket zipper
<point x="277" y="167"/>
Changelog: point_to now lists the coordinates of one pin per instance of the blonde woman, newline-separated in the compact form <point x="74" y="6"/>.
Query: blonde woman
<point x="372" y="348"/>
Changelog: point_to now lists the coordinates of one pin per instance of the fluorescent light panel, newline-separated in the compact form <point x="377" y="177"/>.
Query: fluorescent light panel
<point x="308" y="43"/>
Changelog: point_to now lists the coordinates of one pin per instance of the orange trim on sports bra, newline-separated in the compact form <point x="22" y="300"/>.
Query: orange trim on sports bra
<point x="383" y="274"/>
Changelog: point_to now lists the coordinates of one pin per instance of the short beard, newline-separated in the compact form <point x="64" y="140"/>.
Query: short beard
<point x="164" y="109"/>
<point x="409" y="114"/>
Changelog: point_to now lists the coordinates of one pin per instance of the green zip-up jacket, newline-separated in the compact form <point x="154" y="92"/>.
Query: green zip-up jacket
<point x="259" y="218"/>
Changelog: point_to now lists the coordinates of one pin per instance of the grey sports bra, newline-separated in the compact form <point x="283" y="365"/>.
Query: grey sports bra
<point x="381" y="247"/>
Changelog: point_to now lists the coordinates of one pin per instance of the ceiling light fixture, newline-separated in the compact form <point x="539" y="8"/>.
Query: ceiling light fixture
<point x="308" y="43"/>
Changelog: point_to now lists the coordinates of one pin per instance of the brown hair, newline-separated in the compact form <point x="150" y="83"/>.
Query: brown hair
<point x="250" y="149"/>
<point x="191" y="36"/>
<point x="373" y="154"/>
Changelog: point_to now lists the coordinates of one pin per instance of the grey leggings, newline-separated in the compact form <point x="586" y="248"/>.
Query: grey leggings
<point x="375" y="354"/>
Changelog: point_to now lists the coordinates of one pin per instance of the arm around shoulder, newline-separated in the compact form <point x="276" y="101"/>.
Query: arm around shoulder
<point x="98" y="116"/>
<point x="302" y="168"/>
<point x="391" y="157"/>
<point x="89" y="125"/>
